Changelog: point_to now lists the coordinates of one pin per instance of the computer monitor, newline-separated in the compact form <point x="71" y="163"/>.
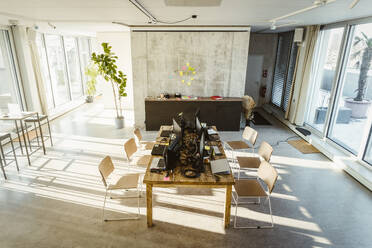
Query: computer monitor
<point x="198" y="126"/>
<point x="201" y="145"/>
<point x="177" y="130"/>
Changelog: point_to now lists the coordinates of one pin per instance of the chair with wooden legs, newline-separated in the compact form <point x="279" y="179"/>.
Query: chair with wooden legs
<point x="252" y="188"/>
<point x="148" y="145"/>
<point x="253" y="162"/>
<point x="130" y="148"/>
<point x="3" y="158"/>
<point x="124" y="182"/>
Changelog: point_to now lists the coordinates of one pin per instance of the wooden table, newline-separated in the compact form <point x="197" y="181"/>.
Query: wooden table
<point x="206" y="180"/>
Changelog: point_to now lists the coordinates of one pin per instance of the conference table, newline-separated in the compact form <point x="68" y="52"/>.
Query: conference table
<point x="176" y="179"/>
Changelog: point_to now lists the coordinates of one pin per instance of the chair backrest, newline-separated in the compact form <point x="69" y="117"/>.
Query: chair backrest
<point x="268" y="174"/>
<point x="130" y="147"/>
<point x="138" y="134"/>
<point x="106" y="167"/>
<point x="265" y="151"/>
<point x="250" y="134"/>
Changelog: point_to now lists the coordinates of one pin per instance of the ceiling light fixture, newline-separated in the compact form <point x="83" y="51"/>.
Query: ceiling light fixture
<point x="273" y="26"/>
<point x="153" y="19"/>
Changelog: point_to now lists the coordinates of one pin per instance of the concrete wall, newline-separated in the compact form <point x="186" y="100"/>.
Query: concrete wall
<point x="120" y="42"/>
<point x="220" y="60"/>
<point x="262" y="45"/>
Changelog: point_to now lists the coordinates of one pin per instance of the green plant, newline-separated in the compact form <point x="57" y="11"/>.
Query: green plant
<point x="366" y="53"/>
<point x="91" y="72"/>
<point x="106" y="64"/>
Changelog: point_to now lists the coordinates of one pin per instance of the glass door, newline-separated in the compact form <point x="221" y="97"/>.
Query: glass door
<point x="325" y="72"/>
<point x="351" y="118"/>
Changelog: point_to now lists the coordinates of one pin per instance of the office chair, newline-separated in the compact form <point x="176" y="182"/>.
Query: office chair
<point x="124" y="182"/>
<point x="130" y="148"/>
<point x="253" y="162"/>
<point x="252" y="188"/>
<point x="147" y="145"/>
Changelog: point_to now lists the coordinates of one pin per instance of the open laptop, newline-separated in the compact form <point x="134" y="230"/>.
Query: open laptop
<point x="220" y="167"/>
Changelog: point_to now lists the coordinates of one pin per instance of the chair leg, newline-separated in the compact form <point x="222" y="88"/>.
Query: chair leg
<point x="2" y="154"/>
<point x="14" y="154"/>
<point x="127" y="218"/>
<point x="28" y="137"/>
<point x="2" y="168"/>
<point x="103" y="208"/>
<point x="50" y="133"/>
<point x="37" y="135"/>
<point x="41" y="133"/>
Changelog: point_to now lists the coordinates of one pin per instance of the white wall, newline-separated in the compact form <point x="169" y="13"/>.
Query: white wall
<point x="121" y="46"/>
<point x="219" y="58"/>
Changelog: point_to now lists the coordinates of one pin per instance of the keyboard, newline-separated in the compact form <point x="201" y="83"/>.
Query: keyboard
<point x="158" y="150"/>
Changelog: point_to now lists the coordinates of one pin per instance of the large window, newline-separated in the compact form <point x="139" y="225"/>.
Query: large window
<point x="326" y="59"/>
<point x="63" y="61"/>
<point x="341" y="102"/>
<point x="9" y="85"/>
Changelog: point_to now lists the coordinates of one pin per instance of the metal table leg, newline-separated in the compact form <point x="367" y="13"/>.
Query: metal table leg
<point x="14" y="153"/>
<point x="19" y="137"/>
<point x="41" y="133"/>
<point x="24" y="139"/>
<point x="2" y="168"/>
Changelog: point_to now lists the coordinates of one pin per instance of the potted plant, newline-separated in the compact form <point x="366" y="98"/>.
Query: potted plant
<point x="359" y="105"/>
<point x="91" y="72"/>
<point x="106" y="64"/>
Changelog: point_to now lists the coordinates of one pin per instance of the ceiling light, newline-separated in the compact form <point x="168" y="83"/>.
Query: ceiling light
<point x="273" y="26"/>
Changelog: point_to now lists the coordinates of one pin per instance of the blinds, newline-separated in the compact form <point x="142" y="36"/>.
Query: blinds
<point x="280" y="93"/>
<point x="291" y="68"/>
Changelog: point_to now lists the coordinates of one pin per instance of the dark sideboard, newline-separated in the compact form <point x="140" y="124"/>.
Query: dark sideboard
<point x="224" y="114"/>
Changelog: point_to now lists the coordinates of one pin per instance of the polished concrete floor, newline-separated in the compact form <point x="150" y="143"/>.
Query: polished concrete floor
<point x="57" y="202"/>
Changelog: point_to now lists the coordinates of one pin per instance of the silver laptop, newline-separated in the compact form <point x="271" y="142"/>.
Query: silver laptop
<point x="220" y="166"/>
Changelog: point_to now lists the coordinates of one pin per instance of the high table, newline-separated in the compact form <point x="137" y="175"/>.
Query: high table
<point x="206" y="180"/>
<point x="20" y="118"/>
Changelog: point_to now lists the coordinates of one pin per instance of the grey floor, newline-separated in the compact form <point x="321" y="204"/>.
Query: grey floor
<point x="57" y="201"/>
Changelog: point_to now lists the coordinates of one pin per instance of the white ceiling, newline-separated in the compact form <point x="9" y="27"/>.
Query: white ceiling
<point x="98" y="14"/>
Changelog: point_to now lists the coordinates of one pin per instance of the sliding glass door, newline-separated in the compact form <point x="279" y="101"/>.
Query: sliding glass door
<point x="324" y="76"/>
<point x="351" y="119"/>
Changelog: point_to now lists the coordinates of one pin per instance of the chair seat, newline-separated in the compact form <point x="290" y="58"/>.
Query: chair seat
<point x="34" y="118"/>
<point x="249" y="162"/>
<point x="250" y="187"/>
<point x="144" y="160"/>
<point x="4" y="136"/>
<point x="238" y="145"/>
<point x="148" y="144"/>
<point x="129" y="181"/>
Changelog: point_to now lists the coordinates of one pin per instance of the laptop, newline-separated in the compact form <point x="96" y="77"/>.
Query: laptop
<point x="158" y="150"/>
<point x="220" y="167"/>
<point x="157" y="165"/>
<point x="165" y="133"/>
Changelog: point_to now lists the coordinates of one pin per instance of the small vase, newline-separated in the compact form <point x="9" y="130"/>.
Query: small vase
<point x="119" y="122"/>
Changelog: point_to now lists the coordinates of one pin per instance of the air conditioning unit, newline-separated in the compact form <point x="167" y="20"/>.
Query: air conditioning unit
<point x="298" y="35"/>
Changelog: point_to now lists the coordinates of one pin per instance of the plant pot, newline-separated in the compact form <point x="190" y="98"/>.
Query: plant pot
<point x="89" y="99"/>
<point x="119" y="122"/>
<point x="359" y="109"/>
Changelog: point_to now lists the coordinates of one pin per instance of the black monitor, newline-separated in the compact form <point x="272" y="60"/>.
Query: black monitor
<point x="198" y="126"/>
<point x="177" y="130"/>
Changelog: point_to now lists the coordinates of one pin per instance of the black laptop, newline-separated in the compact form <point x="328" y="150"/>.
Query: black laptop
<point x="158" y="150"/>
<point x="165" y="133"/>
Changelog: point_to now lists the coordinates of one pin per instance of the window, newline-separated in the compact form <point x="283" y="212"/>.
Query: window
<point x="9" y="85"/>
<point x="57" y="66"/>
<point x="351" y="120"/>
<point x="327" y="56"/>
<point x="73" y="65"/>
<point x="284" y="68"/>
<point x="63" y="61"/>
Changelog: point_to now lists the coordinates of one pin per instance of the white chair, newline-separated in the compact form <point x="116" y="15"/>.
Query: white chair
<point x="252" y="188"/>
<point x="253" y="162"/>
<point x="124" y="182"/>
<point x="147" y="145"/>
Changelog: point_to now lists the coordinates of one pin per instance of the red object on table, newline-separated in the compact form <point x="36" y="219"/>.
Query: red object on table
<point x="216" y="97"/>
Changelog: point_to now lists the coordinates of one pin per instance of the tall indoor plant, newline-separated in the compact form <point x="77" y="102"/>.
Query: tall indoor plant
<point x="92" y="73"/>
<point x="106" y="63"/>
<point x="359" y="105"/>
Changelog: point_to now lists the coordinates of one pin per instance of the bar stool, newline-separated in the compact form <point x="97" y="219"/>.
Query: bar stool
<point x="39" y="119"/>
<point x="4" y="136"/>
